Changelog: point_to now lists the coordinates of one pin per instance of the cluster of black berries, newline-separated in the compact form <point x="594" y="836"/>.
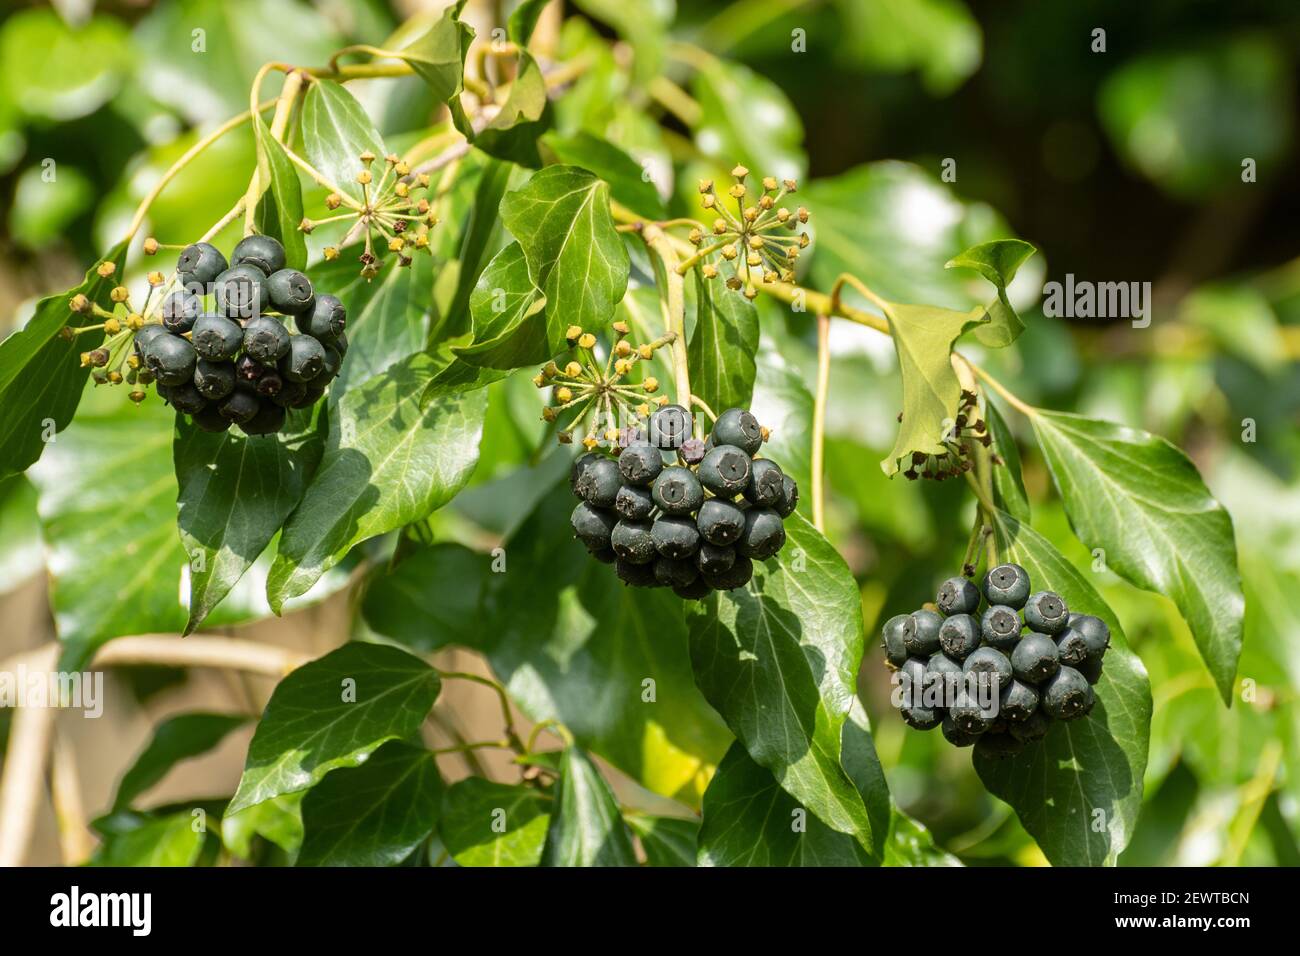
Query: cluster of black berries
<point x="955" y="461"/>
<point x="241" y="364"/>
<point x="680" y="525"/>
<point x="992" y="679"/>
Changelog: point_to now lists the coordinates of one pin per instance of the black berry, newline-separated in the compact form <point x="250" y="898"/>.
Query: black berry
<point x="672" y="573"/>
<point x="1034" y="659"/>
<point x="179" y="312"/>
<point x="764" y="534"/>
<point x="677" y="490"/>
<point x="1046" y="612"/>
<point x="327" y="319"/>
<point x="1000" y="627"/>
<point x="304" y="360"/>
<point x="241" y="292"/>
<point x="592" y="525"/>
<point x="720" y="522"/>
<point x="633" y="503"/>
<point x="765" y="483"/>
<point x="1067" y="695"/>
<point x="200" y="264"/>
<point x="670" y="426"/>
<point x="214" y="380"/>
<point x="170" y="359"/>
<point x="598" y="482"/>
<point x="737" y="576"/>
<point x="290" y="292"/>
<point x="924" y="639"/>
<point x="268" y="420"/>
<point x="725" y="471"/>
<point x="633" y="542"/>
<point x="675" y="536"/>
<point x="1007" y="584"/>
<point x="265" y="253"/>
<point x="266" y="340"/>
<point x="894" y="638"/>
<point x="640" y="463"/>
<point x="958" y="596"/>
<point x="217" y="338"/>
<point x="738" y="427"/>
<point x="959" y="635"/>
<point x="1019" y="700"/>
<point x="240" y="406"/>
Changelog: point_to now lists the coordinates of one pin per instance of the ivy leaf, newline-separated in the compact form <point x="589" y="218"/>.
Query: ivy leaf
<point x="523" y="20"/>
<point x="438" y="55"/>
<point x="586" y="828"/>
<point x="175" y="739"/>
<point x="513" y="131"/>
<point x="667" y="841"/>
<point x="911" y="844"/>
<point x="92" y="519"/>
<point x="235" y="492"/>
<point x="783" y="404"/>
<point x="169" y="840"/>
<point x="481" y="237"/>
<point x="278" y="820"/>
<point x="1008" y="482"/>
<point x="484" y="823"/>
<point x="279" y="204"/>
<point x="923" y="337"/>
<point x="41" y="378"/>
<point x="1142" y="501"/>
<point x="1086" y="772"/>
<point x="561" y="219"/>
<point x="375" y="814"/>
<point x="778" y="660"/>
<point x="627" y="179"/>
<point x="335" y="132"/>
<point x="508" y="315"/>
<point x="390" y="459"/>
<point x="387" y="317"/>
<point x="401" y="605"/>
<point x="723" y="346"/>
<point x="749" y="820"/>
<point x="334" y="712"/>
<point x="766" y="135"/>
<point x="997" y="261"/>
<point x="572" y="644"/>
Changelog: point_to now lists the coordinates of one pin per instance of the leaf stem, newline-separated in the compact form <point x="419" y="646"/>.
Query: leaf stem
<point x="704" y="406"/>
<point x="674" y="301"/>
<point x="1023" y="407"/>
<point x="819" y="421"/>
<point x="512" y="734"/>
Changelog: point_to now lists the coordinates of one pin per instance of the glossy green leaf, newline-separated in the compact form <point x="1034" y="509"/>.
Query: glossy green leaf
<point x="778" y="659"/>
<point x="508" y="314"/>
<point x="375" y="814"/>
<point x="523" y="20"/>
<point x="627" y="179"/>
<point x="278" y="820"/>
<point x="667" y="841"/>
<point x="279" y="203"/>
<point x="513" y="131"/>
<point x="911" y="844"/>
<point x="41" y="378"/>
<point x="1079" y="792"/>
<point x="923" y="336"/>
<point x="334" y="712"/>
<point x="561" y="219"/>
<point x="438" y="55"/>
<point x="481" y="237"/>
<point x="484" y="823"/>
<point x="586" y="828"/>
<point x="723" y="345"/>
<point x="998" y="261"/>
<point x="387" y="462"/>
<point x="431" y="599"/>
<point x="172" y="840"/>
<point x="175" y="739"/>
<point x="335" y="132"/>
<point x="1142" y="501"/>
<point x="387" y="317"/>
<point x="235" y="493"/>
<point x="1008" y="482"/>
<point x="784" y="405"/>
<point x="94" y="521"/>
<point x="765" y="135"/>
<point x="609" y="662"/>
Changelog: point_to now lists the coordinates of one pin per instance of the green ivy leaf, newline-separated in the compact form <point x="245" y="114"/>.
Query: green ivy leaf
<point x="170" y="840"/>
<point x="438" y="55"/>
<point x="1008" y="482"/>
<point x="334" y="712"/>
<point x="1142" y="501"/>
<point x="1086" y="773"/>
<point x="783" y="404"/>
<point x="387" y="317"/>
<point x="493" y="824"/>
<point x="279" y="204"/>
<point x="481" y="237"/>
<point x="766" y="135"/>
<point x="508" y="315"/>
<point x="722" y="346"/>
<point x="586" y="828"/>
<point x="778" y="660"/>
<point x="923" y="337"/>
<point x="92" y="520"/>
<point x="402" y="605"/>
<point x="336" y="130"/>
<point x="561" y="219"/>
<point x="667" y="841"/>
<point x="513" y="131"/>
<point x="375" y="814"/>
<point x="911" y="844"/>
<point x="41" y="378"/>
<point x="175" y="739"/>
<point x="278" y="820"/>
<point x="388" y="461"/>
<point x="555" y="609"/>
<point x="628" y="183"/>
<point x="523" y="20"/>
<point x="235" y="492"/>
<point x="997" y="261"/>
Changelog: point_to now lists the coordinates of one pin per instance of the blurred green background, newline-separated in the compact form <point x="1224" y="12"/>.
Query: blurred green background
<point x="1122" y="165"/>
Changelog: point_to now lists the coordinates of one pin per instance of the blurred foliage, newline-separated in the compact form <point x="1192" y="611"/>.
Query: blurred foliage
<point x="1120" y="165"/>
